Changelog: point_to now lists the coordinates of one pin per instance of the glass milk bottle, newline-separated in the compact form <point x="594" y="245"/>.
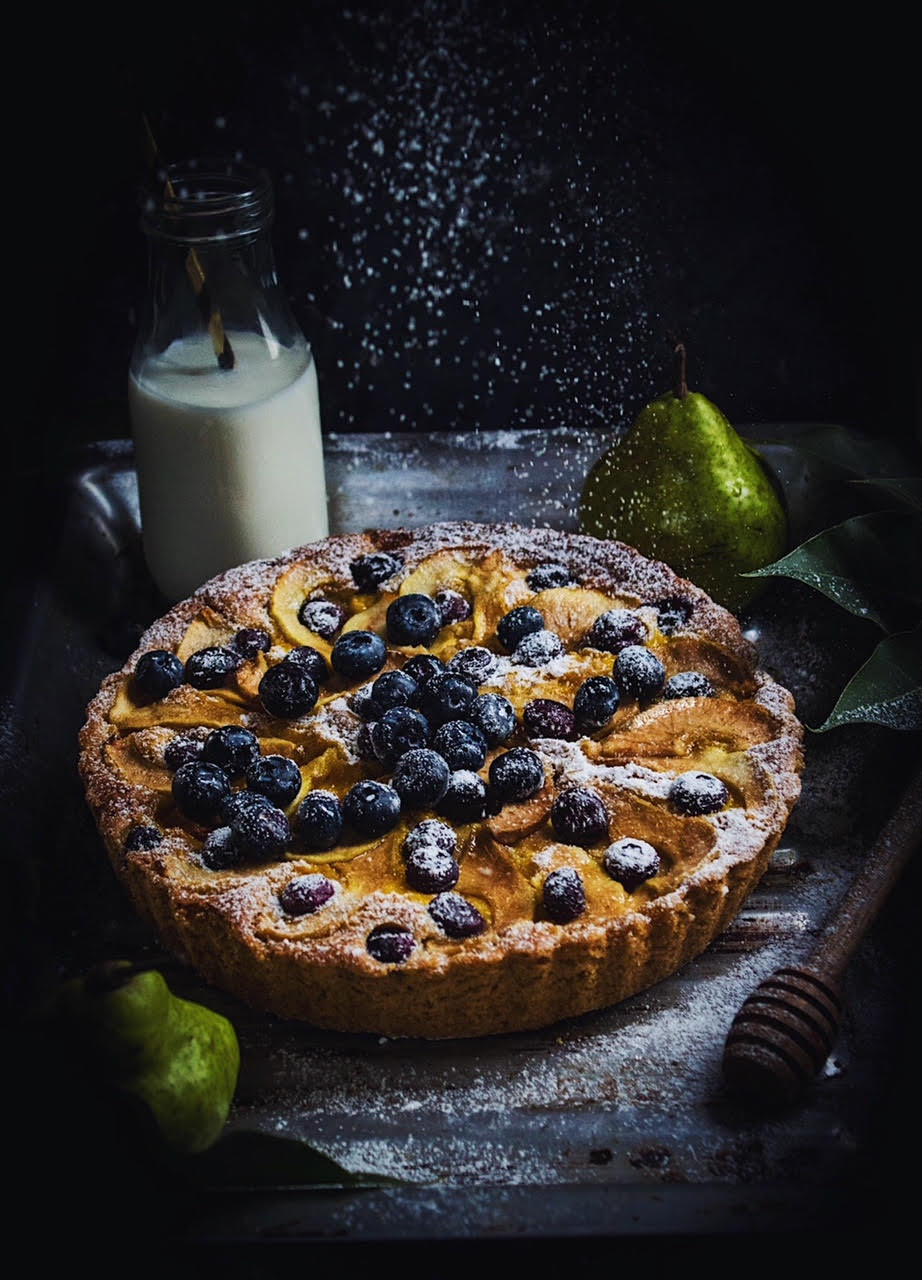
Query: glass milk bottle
<point x="222" y="384"/>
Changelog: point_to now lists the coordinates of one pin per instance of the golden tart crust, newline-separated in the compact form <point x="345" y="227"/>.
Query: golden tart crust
<point x="527" y="968"/>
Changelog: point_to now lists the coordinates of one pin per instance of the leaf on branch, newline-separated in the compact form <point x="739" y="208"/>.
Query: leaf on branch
<point x="887" y="689"/>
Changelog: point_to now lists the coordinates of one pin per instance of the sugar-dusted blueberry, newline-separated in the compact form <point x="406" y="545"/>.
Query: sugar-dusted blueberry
<point x="212" y="667"/>
<point x="516" y="774"/>
<point x="673" y="613"/>
<point x="461" y="743"/>
<point x="431" y="869"/>
<point x="232" y="747"/>
<point x="413" y="619"/>
<point x="466" y="797"/>
<point x="156" y="673"/>
<point x="688" y="684"/>
<point x="631" y="861"/>
<point x="318" y="821"/>
<point x="494" y="716"/>
<point x="563" y="895"/>
<point x="199" y="788"/>
<point x="578" y="816"/>
<point x="392" y="689"/>
<point x="235" y="802"/>
<point x="475" y="663"/>
<point x="288" y="690"/>
<point x="431" y="831"/>
<point x="364" y="741"/>
<point x="276" y="777"/>
<point x="548" y="718"/>
<point x="538" y="648"/>
<point x="310" y="660"/>
<point x="369" y="571"/>
<point x="398" y="730"/>
<point x="596" y="701"/>
<point x="219" y="852"/>
<point x="358" y="654"/>
<point x="613" y="630"/>
<point x="452" y="605"/>
<point x="362" y="702"/>
<point x="306" y="894"/>
<point x="371" y="808"/>
<point x="639" y="673"/>
<point x="323" y="617"/>
<point x="518" y="623"/>
<point x="390" y="943"/>
<point x="250" y="642"/>
<point x="696" y="792"/>
<point x="549" y="574"/>
<point x="455" y="916"/>
<point x="446" y="697"/>
<point x="143" y="838"/>
<point x="423" y="667"/>
<point x="420" y="778"/>
<point x="261" y="832"/>
<point x="180" y="750"/>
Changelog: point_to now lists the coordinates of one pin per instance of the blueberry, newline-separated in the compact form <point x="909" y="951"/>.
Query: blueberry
<point x="455" y="916"/>
<point x="393" y="689"/>
<point x="475" y="663"/>
<point x="155" y="674"/>
<point x="219" y="852"/>
<point x="198" y="789"/>
<point x="494" y="716"/>
<point x="673" y="613"/>
<point x="362" y="702"/>
<point x="466" y="797"/>
<point x="431" y="869"/>
<point x="518" y="623"/>
<point x="181" y="749"/>
<point x="413" y="619"/>
<point x="631" y="862"/>
<point x="638" y="673"/>
<point x="369" y="571"/>
<point x="538" y="648"/>
<point x="260" y="832"/>
<point x="516" y="774"/>
<point x="143" y="839"/>
<point x="390" y="943"/>
<point x="323" y="617"/>
<point x="578" y="816"/>
<point x="613" y="630"/>
<point x="371" y="808"/>
<point x="420" y="778"/>
<point x="210" y="668"/>
<point x="288" y="691"/>
<point x="548" y="575"/>
<point x="423" y="667"/>
<point x="250" y="642"/>
<point x="446" y="697"/>
<point x="358" y="654"/>
<point x="276" y="777"/>
<point x="398" y="730"/>
<point x="232" y="747"/>
<point x="688" y="684"/>
<point x="236" y="802"/>
<point x="452" y="606"/>
<point x="310" y="660"/>
<point x="595" y="703"/>
<point x="319" y="820"/>
<point x="461" y="743"/>
<point x="563" y="895"/>
<point x="431" y="831"/>
<point x="365" y="743"/>
<point x="695" y="793"/>
<point x="547" y="718"/>
<point x="306" y="894"/>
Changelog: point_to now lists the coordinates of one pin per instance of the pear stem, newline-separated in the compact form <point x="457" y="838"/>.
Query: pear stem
<point x="681" y="384"/>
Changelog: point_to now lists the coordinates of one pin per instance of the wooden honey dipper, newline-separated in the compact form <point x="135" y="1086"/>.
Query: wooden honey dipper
<point x="785" y="1030"/>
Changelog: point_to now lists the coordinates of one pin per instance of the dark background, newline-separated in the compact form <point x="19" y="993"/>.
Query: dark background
<point x="492" y="215"/>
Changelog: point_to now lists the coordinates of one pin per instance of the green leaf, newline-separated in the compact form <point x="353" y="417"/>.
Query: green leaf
<point x="870" y="565"/>
<point x="887" y="690"/>
<point x="249" y="1158"/>
<point x="906" y="489"/>
<point x="846" y="450"/>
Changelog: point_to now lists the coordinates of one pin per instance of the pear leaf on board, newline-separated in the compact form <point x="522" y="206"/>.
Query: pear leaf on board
<point x="249" y="1158"/>
<point x="845" y="450"/>
<point x="869" y="565"/>
<point x="887" y="689"/>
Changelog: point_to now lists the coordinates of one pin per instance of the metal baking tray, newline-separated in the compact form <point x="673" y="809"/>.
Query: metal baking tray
<point x="616" y="1125"/>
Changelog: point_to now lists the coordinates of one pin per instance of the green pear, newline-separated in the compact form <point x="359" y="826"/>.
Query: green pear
<point x="178" y="1057"/>
<point x="682" y="486"/>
